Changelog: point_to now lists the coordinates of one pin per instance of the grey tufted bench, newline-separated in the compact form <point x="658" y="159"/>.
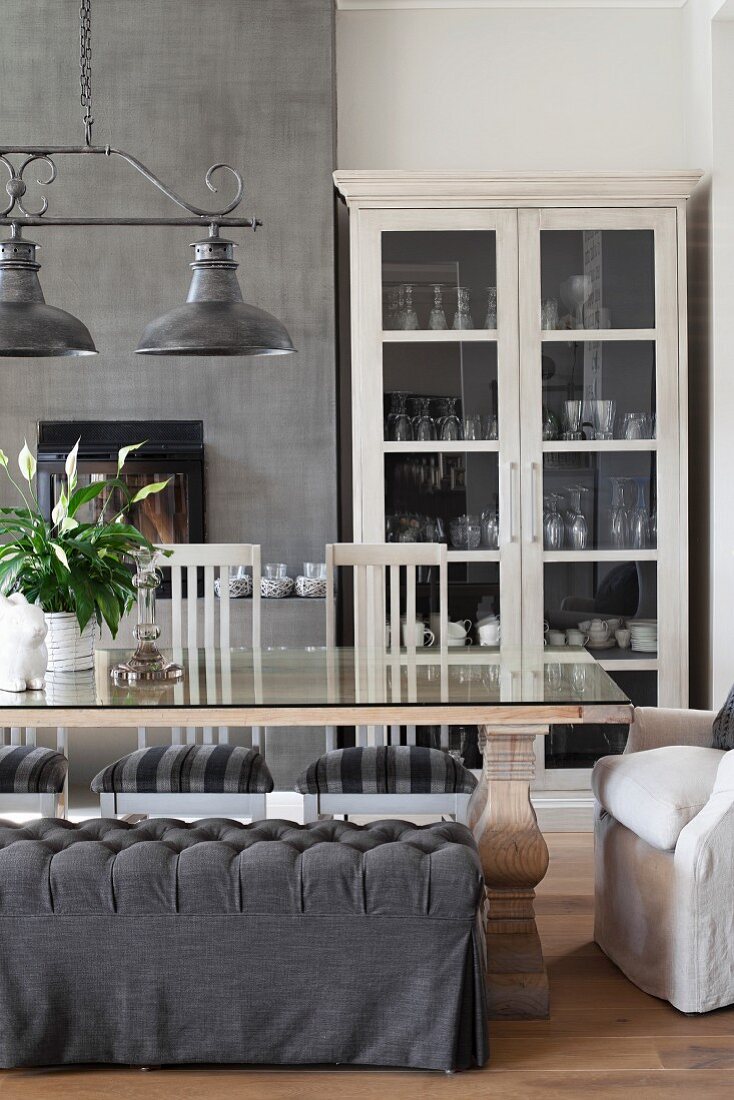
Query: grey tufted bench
<point x="163" y="942"/>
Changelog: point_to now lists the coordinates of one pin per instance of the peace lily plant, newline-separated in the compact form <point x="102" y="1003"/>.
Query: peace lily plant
<point x="77" y="572"/>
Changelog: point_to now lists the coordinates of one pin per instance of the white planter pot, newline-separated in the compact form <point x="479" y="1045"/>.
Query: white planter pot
<point x="69" y="648"/>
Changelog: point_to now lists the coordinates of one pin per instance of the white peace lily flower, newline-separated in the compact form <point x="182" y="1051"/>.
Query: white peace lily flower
<point x="70" y="464"/>
<point x="27" y="463"/>
<point x="68" y="524"/>
<point x="59" y="512"/>
<point x="61" y="555"/>
<point x="3" y="460"/>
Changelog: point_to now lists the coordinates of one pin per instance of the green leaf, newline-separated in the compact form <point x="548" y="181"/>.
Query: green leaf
<point x="147" y="490"/>
<point x="3" y="460"/>
<point x="125" y="451"/>
<point x="27" y="463"/>
<point x="60" y="554"/>
<point x="84" y="495"/>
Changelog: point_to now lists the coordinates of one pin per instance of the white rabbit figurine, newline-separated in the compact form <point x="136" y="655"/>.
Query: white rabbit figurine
<point x="23" y="653"/>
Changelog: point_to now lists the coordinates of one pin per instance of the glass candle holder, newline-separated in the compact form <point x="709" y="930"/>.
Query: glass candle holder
<point x="147" y="662"/>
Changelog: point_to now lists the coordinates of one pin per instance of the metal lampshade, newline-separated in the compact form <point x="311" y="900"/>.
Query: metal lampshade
<point x="215" y="320"/>
<point x="28" y="327"/>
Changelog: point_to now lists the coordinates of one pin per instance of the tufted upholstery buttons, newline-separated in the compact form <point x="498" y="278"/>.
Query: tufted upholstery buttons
<point x="220" y="866"/>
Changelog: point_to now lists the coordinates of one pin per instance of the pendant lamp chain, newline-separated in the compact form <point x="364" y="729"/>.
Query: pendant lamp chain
<point x="85" y="67"/>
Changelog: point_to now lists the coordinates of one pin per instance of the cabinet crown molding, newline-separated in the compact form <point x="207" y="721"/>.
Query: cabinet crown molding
<point x="376" y="188"/>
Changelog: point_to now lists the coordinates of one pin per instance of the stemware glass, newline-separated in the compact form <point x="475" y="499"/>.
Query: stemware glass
<point x="551" y="427"/>
<point x="437" y="316"/>
<point x="549" y="314"/>
<point x="640" y="520"/>
<point x="553" y="526"/>
<point x="572" y="420"/>
<point x="490" y="320"/>
<point x="575" y="291"/>
<point x="462" y="318"/>
<point x="451" y="423"/>
<point x="489" y="426"/>
<point x="401" y="428"/>
<point x="408" y="316"/>
<point x="603" y="414"/>
<point x="578" y="530"/>
<point x="424" y="427"/>
<point x="636" y="425"/>
<point x="619" y="530"/>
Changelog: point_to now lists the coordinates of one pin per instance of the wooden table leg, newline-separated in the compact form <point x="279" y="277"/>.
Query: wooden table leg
<point x="514" y="858"/>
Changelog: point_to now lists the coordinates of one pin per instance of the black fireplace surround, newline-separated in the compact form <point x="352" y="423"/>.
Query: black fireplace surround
<point x="173" y="449"/>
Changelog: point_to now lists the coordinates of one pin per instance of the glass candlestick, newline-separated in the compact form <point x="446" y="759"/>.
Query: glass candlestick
<point x="147" y="662"/>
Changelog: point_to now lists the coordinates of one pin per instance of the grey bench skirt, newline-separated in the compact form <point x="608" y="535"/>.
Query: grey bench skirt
<point x="167" y="943"/>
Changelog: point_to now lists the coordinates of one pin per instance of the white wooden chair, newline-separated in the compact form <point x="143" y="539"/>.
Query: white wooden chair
<point x="376" y="590"/>
<point x="38" y="776"/>
<point x="213" y="559"/>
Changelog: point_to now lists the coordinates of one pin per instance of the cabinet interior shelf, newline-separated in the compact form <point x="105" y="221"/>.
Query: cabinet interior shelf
<point x="439" y="336"/>
<point x="579" y="335"/>
<point x="627" y="661"/>
<point x="581" y="446"/>
<point x="437" y="446"/>
<point x="599" y="555"/>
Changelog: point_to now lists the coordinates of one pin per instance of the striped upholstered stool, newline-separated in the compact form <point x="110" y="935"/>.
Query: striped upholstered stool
<point x="194" y="780"/>
<point x="403" y="779"/>
<point x="31" y="778"/>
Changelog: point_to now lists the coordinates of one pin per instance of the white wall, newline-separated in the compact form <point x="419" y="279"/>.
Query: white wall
<point x="495" y="88"/>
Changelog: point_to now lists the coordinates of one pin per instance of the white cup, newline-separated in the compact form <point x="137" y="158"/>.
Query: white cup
<point x="576" y="637"/>
<point x="459" y="629"/>
<point x="556" y="637"/>
<point x="489" y="634"/>
<point x="599" y="629"/>
<point x="623" y="638"/>
<point x="422" y="635"/>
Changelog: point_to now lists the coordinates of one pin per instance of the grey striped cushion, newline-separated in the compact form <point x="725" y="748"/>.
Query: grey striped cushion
<point x="392" y="769"/>
<point x="25" y="769"/>
<point x="187" y="769"/>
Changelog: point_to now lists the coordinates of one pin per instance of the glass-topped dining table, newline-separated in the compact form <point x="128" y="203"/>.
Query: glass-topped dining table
<point x="512" y="695"/>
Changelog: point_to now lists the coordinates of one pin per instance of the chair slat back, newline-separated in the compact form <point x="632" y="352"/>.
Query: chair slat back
<point x="377" y="590"/>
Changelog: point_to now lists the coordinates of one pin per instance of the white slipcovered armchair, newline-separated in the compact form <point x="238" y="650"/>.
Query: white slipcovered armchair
<point x="664" y="837"/>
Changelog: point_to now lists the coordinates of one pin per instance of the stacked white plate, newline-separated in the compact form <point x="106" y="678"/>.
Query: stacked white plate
<point x="644" y="635"/>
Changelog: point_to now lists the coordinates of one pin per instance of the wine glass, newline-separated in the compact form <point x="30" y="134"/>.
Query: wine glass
<point x="408" y="317"/>
<point x="553" y="526"/>
<point x="490" y="320"/>
<point x="640" y="520"/>
<point x="462" y="317"/>
<point x="451" y="423"/>
<point x="572" y="420"/>
<point x="575" y="292"/>
<point x="473" y="427"/>
<point x="437" y="316"/>
<point x="619" y="531"/>
<point x="603" y="415"/>
<point x="490" y="529"/>
<point x="401" y="428"/>
<point x="578" y="530"/>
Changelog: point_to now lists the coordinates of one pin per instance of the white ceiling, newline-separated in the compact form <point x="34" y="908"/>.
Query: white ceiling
<point x="385" y="5"/>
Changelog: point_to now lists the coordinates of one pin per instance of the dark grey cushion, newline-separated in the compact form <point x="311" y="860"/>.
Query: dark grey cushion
<point x="723" y="730"/>
<point x="26" y="769"/>
<point x="220" y="866"/>
<point x="391" y="769"/>
<point x="184" y="769"/>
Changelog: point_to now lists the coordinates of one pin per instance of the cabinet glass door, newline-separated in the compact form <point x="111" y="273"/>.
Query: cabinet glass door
<point x="600" y="458"/>
<point x="439" y="397"/>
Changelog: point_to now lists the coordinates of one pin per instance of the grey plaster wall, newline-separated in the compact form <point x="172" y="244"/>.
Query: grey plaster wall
<point x="183" y="84"/>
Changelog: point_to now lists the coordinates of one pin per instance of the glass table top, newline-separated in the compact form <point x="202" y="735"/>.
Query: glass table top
<point x="341" y="677"/>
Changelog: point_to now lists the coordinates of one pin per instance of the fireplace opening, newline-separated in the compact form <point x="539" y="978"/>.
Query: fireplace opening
<point x="174" y="449"/>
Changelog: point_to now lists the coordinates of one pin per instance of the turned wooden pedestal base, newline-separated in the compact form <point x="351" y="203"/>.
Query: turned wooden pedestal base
<point x="514" y="859"/>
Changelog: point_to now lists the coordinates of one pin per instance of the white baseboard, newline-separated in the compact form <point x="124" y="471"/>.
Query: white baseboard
<point x="564" y="811"/>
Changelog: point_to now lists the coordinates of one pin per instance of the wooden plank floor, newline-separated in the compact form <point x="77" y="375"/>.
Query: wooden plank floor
<point x="605" y="1038"/>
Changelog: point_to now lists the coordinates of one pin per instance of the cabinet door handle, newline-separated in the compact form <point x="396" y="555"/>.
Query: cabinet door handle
<point x="534" y="470"/>
<point x="513" y="485"/>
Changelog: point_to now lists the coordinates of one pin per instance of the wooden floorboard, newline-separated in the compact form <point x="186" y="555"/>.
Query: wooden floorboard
<point x="605" y="1037"/>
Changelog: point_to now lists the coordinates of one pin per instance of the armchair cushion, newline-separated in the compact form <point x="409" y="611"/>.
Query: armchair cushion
<point x="656" y="793"/>
<point x="654" y="727"/>
<point x="392" y="769"/>
<point x="723" y="728"/>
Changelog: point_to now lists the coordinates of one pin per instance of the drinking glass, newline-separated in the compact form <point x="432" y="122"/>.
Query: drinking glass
<point x="401" y="429"/>
<point x="572" y="420"/>
<point x="640" y="521"/>
<point x="551" y="427"/>
<point x="603" y="414"/>
<point x="462" y="317"/>
<point x="437" y="316"/>
<point x="393" y="308"/>
<point x="636" y="425"/>
<point x="489" y="426"/>
<point x="314" y="570"/>
<point x="490" y="529"/>
<point x="490" y="320"/>
<point x="553" y="526"/>
<point x="473" y="427"/>
<point x="451" y="424"/>
<point x="549" y="313"/>
<point x="408" y="316"/>
<point x="424" y="427"/>
<point x="275" y="570"/>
